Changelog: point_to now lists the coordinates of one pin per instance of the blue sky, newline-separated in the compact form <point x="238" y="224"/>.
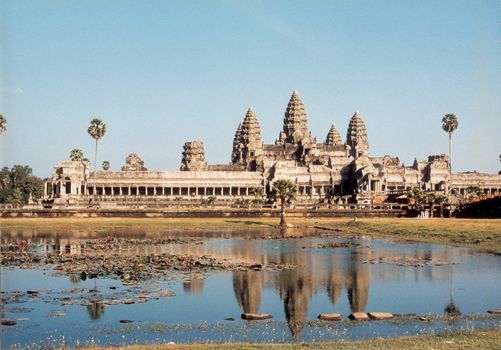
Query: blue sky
<point x="160" y="73"/>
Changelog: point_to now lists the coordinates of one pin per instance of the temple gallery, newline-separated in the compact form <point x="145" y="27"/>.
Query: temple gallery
<point x="333" y="169"/>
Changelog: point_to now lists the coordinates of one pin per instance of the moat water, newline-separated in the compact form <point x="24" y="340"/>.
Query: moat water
<point x="315" y="277"/>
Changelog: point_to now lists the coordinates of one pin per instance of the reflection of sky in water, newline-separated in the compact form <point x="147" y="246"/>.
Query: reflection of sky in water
<point x="325" y="280"/>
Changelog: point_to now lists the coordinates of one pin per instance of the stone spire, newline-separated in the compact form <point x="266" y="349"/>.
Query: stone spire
<point x="248" y="144"/>
<point x="251" y="130"/>
<point x="193" y="156"/>
<point x="356" y="136"/>
<point x="295" y="122"/>
<point x="333" y="137"/>
<point x="237" y="145"/>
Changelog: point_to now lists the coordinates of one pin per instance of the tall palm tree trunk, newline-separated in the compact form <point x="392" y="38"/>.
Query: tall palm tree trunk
<point x="450" y="163"/>
<point x="282" y="214"/>
<point x="95" y="164"/>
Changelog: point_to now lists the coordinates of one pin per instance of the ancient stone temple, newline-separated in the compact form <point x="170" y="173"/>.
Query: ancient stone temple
<point x="247" y="144"/>
<point x="330" y="170"/>
<point x="333" y="137"/>
<point x="356" y="137"/>
<point x="193" y="156"/>
<point x="133" y="163"/>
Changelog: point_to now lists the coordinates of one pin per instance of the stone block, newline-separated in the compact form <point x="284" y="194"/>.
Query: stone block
<point x="330" y="317"/>
<point x="250" y="316"/>
<point x="496" y="312"/>
<point x="359" y="316"/>
<point x="380" y="315"/>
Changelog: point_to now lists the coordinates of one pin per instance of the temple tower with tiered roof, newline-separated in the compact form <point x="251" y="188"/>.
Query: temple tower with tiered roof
<point x="356" y="136"/>
<point x="295" y="128"/>
<point x="248" y="144"/>
<point x="333" y="137"/>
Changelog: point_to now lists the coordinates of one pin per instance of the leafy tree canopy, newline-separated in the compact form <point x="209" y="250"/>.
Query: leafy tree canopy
<point x="284" y="190"/>
<point x="17" y="183"/>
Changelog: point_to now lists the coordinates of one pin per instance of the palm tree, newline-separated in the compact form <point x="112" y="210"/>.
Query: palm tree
<point x="285" y="191"/>
<point x="106" y="165"/>
<point x="3" y="124"/>
<point x="449" y="125"/>
<point x="4" y="181"/>
<point x="77" y="155"/>
<point x="259" y="195"/>
<point x="96" y="129"/>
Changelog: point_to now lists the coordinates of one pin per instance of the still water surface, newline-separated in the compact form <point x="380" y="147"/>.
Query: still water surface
<point x="324" y="280"/>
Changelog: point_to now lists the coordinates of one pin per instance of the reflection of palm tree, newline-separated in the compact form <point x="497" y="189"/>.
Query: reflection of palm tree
<point x="452" y="309"/>
<point x="194" y="286"/>
<point x="75" y="278"/>
<point x="95" y="310"/>
<point x="248" y="286"/>
<point x="296" y="299"/>
<point x="296" y="287"/>
<point x="56" y="248"/>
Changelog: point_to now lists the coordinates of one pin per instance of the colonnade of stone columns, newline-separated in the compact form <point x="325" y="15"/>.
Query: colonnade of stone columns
<point x="137" y="190"/>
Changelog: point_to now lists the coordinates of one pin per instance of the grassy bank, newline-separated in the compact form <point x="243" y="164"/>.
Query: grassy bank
<point x="484" y="234"/>
<point x="475" y="340"/>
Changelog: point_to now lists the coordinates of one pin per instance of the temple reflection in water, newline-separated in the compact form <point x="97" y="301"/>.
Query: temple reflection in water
<point x="336" y="272"/>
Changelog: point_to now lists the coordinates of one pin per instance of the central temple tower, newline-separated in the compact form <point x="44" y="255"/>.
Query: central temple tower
<point x="295" y="129"/>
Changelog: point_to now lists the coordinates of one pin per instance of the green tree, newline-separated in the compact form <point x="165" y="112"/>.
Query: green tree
<point x="19" y="173"/>
<point x="285" y="191"/>
<point x="16" y="197"/>
<point x="19" y="177"/>
<point x="106" y="165"/>
<point x="474" y="192"/>
<point x="76" y="155"/>
<point x="441" y="200"/>
<point x="5" y="181"/>
<point x="259" y="195"/>
<point x="96" y="129"/>
<point x="211" y="200"/>
<point x="449" y="125"/>
<point x="3" y="124"/>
